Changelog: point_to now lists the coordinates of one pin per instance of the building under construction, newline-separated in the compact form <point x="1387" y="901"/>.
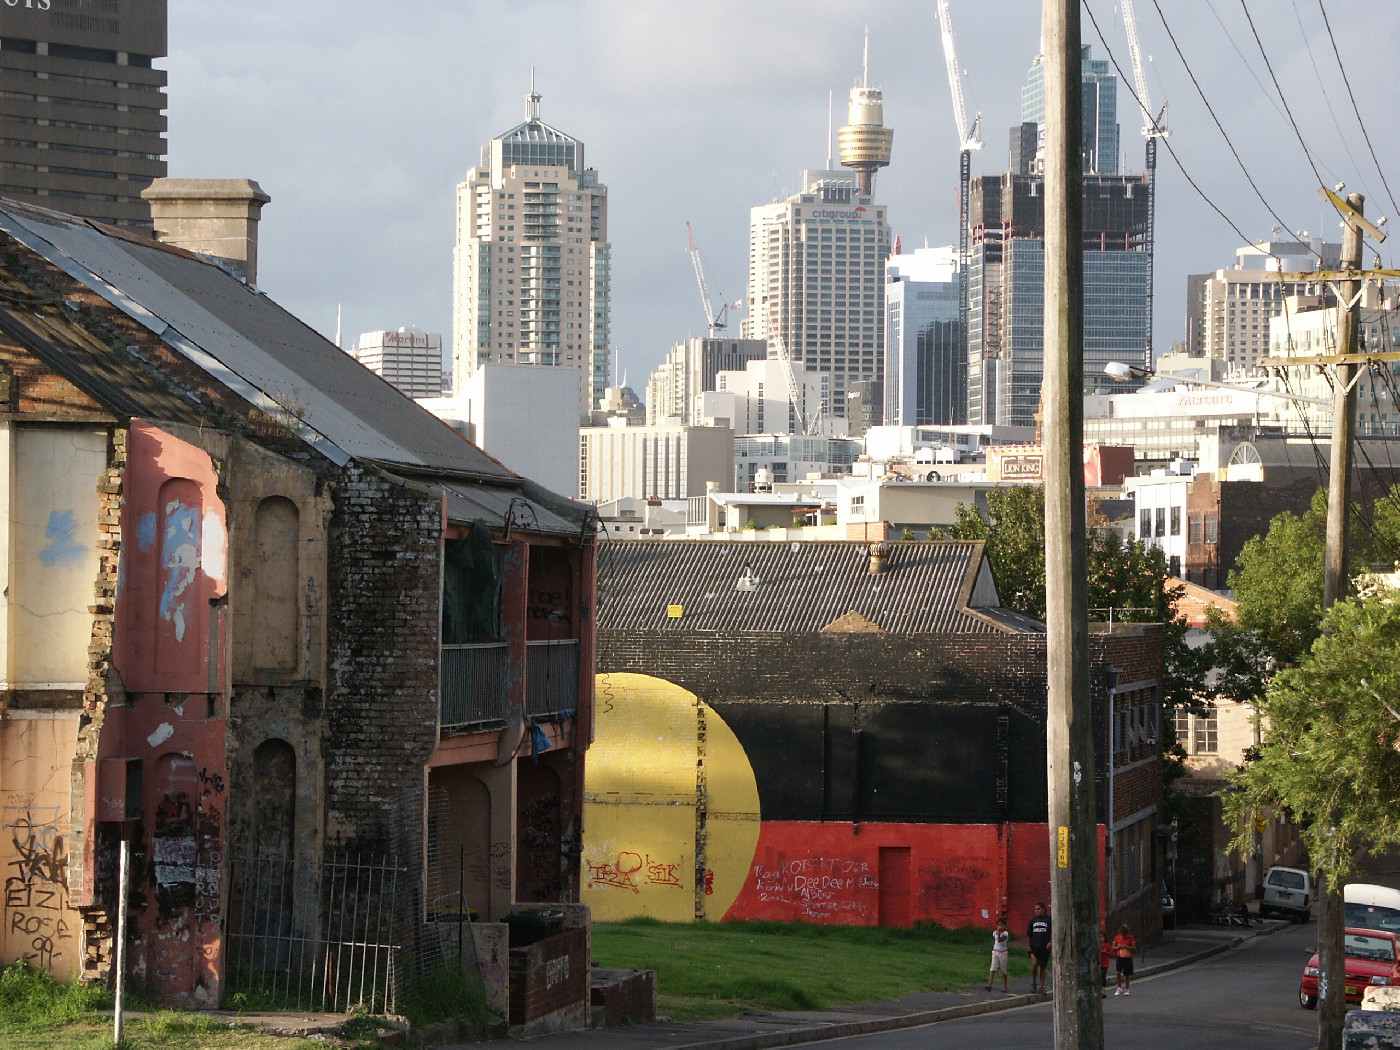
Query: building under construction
<point x="1006" y="258"/>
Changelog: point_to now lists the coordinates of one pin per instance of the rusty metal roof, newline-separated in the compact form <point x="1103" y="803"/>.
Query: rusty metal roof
<point x="250" y="345"/>
<point x="930" y="587"/>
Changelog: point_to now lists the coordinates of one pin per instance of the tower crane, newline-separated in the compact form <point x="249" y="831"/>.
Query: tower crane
<point x="1153" y="128"/>
<point x="809" y="427"/>
<point x="713" y="319"/>
<point x="969" y="139"/>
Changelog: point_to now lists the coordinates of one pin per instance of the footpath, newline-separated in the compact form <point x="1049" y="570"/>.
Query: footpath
<point x="754" y="1031"/>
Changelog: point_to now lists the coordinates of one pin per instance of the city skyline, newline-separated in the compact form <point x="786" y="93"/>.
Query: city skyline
<point x="694" y="116"/>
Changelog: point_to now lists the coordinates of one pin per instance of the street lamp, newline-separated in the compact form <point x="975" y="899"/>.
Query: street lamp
<point x="1119" y="370"/>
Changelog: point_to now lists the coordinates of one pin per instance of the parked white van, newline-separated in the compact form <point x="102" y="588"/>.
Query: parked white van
<point x="1371" y="907"/>
<point x="1287" y="891"/>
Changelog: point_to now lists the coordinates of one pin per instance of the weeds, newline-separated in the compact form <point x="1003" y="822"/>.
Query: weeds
<point x="31" y="999"/>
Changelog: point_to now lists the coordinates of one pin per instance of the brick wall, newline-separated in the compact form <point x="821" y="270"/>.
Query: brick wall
<point x="549" y="983"/>
<point x="381" y="704"/>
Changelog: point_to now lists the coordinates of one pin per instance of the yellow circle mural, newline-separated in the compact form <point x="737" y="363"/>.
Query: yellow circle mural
<point x="660" y="760"/>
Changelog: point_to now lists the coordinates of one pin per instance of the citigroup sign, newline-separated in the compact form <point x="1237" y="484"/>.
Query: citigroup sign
<point x="816" y="213"/>
<point x="37" y="5"/>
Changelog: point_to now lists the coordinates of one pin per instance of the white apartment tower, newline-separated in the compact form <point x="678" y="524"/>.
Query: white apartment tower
<point x="531" y="267"/>
<point x="410" y="358"/>
<point x="816" y="279"/>
<point x="1228" y="312"/>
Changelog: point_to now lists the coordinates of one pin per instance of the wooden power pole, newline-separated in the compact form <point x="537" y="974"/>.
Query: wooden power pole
<point x="1331" y="958"/>
<point x="1074" y="840"/>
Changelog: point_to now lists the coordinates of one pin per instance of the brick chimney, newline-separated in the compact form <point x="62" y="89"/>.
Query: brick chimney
<point x="216" y="216"/>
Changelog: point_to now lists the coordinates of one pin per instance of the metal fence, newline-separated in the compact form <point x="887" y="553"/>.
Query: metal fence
<point x="474" y="683"/>
<point x="551" y="676"/>
<point x="316" y="936"/>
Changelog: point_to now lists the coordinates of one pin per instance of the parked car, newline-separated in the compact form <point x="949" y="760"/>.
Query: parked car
<point x="1372" y="959"/>
<point x="1372" y="907"/>
<point x="1168" y="911"/>
<point x="1287" y="891"/>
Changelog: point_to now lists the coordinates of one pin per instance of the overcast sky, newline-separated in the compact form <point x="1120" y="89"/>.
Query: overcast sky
<point x="360" y="117"/>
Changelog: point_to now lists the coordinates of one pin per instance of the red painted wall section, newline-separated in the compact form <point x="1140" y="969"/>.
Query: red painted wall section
<point x="173" y="565"/>
<point x="170" y="645"/>
<point x="959" y="874"/>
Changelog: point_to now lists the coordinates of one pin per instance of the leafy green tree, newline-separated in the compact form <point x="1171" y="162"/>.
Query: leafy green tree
<point x="1331" y="755"/>
<point x="908" y="534"/>
<point x="1127" y="579"/>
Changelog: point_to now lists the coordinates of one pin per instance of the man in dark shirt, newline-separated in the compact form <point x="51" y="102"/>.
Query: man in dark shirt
<point x="1038" y="942"/>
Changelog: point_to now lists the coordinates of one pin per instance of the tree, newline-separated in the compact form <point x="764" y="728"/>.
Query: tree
<point x="1331" y="755"/>
<point x="1127" y="578"/>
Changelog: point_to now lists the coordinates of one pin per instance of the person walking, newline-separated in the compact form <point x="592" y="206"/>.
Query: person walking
<point x="1001" y="941"/>
<point x="1105" y="960"/>
<point x="1038" y="944"/>
<point x="1124" y="947"/>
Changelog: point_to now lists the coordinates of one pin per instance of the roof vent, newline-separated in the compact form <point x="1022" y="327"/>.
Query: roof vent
<point x="879" y="554"/>
<point x="748" y="580"/>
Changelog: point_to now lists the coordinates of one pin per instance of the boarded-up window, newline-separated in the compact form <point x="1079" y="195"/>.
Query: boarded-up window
<point x="276" y="590"/>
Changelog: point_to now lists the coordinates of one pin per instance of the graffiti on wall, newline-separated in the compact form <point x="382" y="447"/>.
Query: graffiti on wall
<point x="632" y="871"/>
<point x="817" y="887"/>
<point x="36" y="884"/>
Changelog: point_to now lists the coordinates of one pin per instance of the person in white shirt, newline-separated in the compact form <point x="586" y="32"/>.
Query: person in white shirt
<point x="1001" y="941"/>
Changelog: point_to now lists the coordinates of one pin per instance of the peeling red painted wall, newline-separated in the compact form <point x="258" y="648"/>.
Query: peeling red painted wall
<point x="959" y="874"/>
<point x="170" y="647"/>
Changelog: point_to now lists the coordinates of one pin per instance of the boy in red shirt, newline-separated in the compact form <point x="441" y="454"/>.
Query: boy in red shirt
<point x="1124" y="945"/>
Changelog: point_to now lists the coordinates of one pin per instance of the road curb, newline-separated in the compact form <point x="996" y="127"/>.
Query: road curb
<point x="845" y="1030"/>
<point x="874" y="1025"/>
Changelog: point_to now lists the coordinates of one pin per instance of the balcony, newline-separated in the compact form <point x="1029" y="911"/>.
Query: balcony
<point x="551" y="677"/>
<point x="474" y="684"/>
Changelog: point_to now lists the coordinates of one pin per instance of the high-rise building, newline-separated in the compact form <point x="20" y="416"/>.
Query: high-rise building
<point x="816" y="279"/>
<point x="925" y="361"/>
<point x="1006" y="289"/>
<point x="531" y="270"/>
<point x="1006" y="265"/>
<point x="689" y="370"/>
<point x="82" y="122"/>
<point x="1099" y="108"/>
<point x="1228" y="312"/>
<point x="410" y="358"/>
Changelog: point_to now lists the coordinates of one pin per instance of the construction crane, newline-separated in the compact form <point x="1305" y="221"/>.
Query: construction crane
<point x="809" y="427"/>
<point x="969" y="139"/>
<point x="713" y="319"/>
<point x="1153" y="128"/>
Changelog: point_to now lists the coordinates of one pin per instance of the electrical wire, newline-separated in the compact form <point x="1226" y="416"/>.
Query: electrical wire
<point x="1167" y="142"/>
<point x="1220" y="127"/>
<point x="1355" y="109"/>
<point x="1279" y="88"/>
<point x="1322" y="87"/>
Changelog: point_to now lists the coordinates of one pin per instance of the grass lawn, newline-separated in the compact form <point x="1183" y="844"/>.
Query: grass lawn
<point x="708" y="970"/>
<point x="39" y="1013"/>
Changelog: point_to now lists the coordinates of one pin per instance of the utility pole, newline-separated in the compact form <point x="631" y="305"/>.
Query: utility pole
<point x="1331" y="959"/>
<point x="1074" y="840"/>
<point x="1347" y="283"/>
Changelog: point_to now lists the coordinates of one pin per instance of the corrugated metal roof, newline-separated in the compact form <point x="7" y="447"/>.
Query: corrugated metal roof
<point x="249" y="343"/>
<point x="733" y="586"/>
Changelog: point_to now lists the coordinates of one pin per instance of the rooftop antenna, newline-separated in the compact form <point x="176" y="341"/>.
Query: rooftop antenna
<point x="338" y="344"/>
<point x="865" y="61"/>
<point x="532" y="100"/>
<point x="830" y="163"/>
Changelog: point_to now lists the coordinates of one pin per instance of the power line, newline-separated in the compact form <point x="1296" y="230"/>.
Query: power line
<point x="1277" y="87"/>
<point x="1321" y="86"/>
<point x="1220" y="127"/>
<point x="1354" y="108"/>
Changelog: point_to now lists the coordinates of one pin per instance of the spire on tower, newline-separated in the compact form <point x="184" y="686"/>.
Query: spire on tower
<point x="532" y="100"/>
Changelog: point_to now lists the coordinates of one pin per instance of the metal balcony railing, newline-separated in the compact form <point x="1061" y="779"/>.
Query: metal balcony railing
<point x="474" y="684"/>
<point x="551" y="677"/>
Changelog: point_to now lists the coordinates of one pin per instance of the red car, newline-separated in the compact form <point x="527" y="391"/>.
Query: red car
<point x="1372" y="958"/>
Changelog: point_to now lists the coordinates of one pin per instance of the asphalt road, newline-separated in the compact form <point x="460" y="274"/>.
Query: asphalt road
<point x="1243" y="999"/>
